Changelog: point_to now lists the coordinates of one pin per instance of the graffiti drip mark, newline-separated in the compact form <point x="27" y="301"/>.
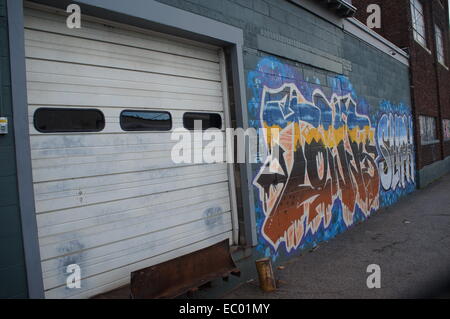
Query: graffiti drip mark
<point x="324" y="151"/>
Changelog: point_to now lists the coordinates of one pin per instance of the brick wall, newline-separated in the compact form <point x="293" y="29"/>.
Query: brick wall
<point x="394" y="19"/>
<point x="440" y="17"/>
<point x="12" y="267"/>
<point x="431" y="89"/>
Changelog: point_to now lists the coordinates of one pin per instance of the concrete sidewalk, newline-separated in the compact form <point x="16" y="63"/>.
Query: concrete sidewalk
<point x="409" y="240"/>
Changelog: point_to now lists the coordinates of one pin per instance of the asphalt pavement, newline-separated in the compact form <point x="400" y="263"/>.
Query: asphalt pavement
<point x="410" y="241"/>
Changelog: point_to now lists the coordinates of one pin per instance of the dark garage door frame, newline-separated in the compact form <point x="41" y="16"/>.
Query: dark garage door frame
<point x="147" y="14"/>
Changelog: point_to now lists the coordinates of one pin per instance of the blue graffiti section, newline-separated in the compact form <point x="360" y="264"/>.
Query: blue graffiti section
<point x="370" y="148"/>
<point x="396" y="161"/>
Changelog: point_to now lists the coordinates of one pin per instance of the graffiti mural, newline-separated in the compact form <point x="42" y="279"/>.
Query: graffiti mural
<point x="446" y="128"/>
<point x="327" y="152"/>
<point x="327" y="158"/>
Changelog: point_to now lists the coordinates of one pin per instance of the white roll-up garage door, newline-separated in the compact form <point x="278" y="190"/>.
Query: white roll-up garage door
<point x="112" y="201"/>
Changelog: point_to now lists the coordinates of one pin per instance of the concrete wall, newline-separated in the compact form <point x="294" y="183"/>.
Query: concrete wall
<point x="12" y="266"/>
<point x="342" y="110"/>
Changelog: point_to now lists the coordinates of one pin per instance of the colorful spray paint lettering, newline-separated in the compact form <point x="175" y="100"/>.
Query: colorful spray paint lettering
<point x="396" y="155"/>
<point x="327" y="157"/>
<point x="327" y="152"/>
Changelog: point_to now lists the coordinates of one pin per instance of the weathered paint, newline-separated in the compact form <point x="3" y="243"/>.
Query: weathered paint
<point x="339" y="160"/>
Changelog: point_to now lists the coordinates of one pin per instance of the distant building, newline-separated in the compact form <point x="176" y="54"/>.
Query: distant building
<point x="421" y="28"/>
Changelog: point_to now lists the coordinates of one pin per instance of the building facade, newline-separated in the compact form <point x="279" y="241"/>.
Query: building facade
<point x="93" y="110"/>
<point x="12" y="261"/>
<point x="421" y="28"/>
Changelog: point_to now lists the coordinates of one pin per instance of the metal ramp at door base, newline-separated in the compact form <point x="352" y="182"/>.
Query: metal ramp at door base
<point x="178" y="276"/>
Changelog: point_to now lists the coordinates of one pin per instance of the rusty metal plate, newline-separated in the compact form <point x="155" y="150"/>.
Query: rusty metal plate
<point x="119" y="293"/>
<point x="179" y="276"/>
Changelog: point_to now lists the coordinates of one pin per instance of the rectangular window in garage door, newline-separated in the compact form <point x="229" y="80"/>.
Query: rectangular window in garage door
<point x="207" y="120"/>
<point x="135" y="120"/>
<point x="54" y="120"/>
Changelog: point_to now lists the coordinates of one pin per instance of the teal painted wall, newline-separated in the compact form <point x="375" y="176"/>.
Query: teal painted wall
<point x="12" y="263"/>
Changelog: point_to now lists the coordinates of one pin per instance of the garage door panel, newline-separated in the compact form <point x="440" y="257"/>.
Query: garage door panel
<point x="132" y="254"/>
<point x="92" y="185"/>
<point x="99" y="150"/>
<point x="86" y="47"/>
<point x="86" y="99"/>
<point x="199" y="194"/>
<point x="121" y="275"/>
<point x="85" y="198"/>
<point x="72" y="141"/>
<point x="94" y="158"/>
<point x="132" y="188"/>
<point x="141" y="247"/>
<point x="94" y="258"/>
<point x="68" y="73"/>
<point x="40" y="20"/>
<point x="187" y="212"/>
<point x="117" y="61"/>
<point x="111" y="182"/>
<point x="98" y="169"/>
<point x="67" y="171"/>
<point x="148" y="230"/>
<point x="130" y="80"/>
<point x="130" y="229"/>
<point x="132" y="64"/>
<point x="51" y="88"/>
<point x="133" y="226"/>
<point x="88" y="140"/>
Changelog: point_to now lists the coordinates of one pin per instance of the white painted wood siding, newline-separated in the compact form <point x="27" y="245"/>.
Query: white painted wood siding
<point x="113" y="202"/>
